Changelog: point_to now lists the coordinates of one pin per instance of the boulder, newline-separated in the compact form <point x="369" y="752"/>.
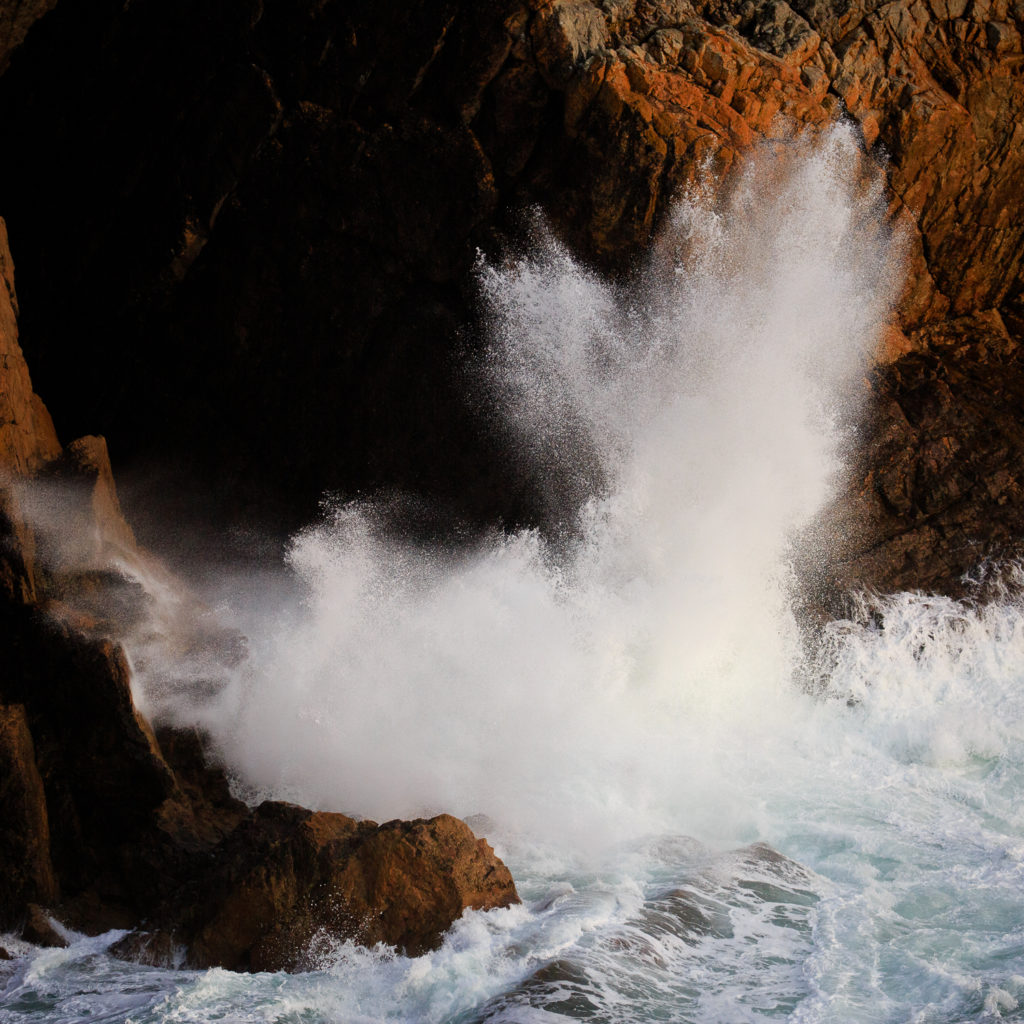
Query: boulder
<point x="154" y="949"/>
<point x="288" y="879"/>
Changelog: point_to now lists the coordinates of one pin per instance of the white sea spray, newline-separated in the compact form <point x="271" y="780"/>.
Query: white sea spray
<point x="623" y="704"/>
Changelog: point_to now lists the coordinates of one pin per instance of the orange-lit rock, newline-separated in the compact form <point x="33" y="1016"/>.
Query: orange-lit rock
<point x="287" y="877"/>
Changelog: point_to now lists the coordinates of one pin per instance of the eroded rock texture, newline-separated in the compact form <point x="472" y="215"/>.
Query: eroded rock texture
<point x="938" y="485"/>
<point x="246" y="236"/>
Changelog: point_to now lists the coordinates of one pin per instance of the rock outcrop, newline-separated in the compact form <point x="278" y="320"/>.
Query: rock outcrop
<point x="40" y="931"/>
<point x="107" y="825"/>
<point x="259" y="261"/>
<point x="938" y="482"/>
<point x="288" y="200"/>
<point x="287" y="877"/>
<point x="28" y="875"/>
<point x="27" y="437"/>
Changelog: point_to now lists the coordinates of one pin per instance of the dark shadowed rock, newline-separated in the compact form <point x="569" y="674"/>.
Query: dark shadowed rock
<point x="113" y="825"/>
<point x="261" y="263"/>
<point x="16" y="18"/>
<point x="101" y="770"/>
<point x="27" y="442"/>
<point x="39" y="929"/>
<point x="27" y="437"/>
<point x="154" y="949"/>
<point x="203" y="781"/>
<point x="26" y="873"/>
<point x="135" y="835"/>
<point x="276" y="224"/>
<point x="938" y="479"/>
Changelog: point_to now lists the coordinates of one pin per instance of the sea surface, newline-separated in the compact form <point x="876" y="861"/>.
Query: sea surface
<point x="712" y="814"/>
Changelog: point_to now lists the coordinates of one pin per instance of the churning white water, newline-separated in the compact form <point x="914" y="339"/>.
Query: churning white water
<point x="695" y="836"/>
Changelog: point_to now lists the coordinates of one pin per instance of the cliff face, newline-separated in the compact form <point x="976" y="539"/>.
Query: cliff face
<point x="287" y="199"/>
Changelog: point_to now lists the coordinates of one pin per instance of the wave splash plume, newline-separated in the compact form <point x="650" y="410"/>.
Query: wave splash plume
<point x="684" y="427"/>
<point x="697" y="836"/>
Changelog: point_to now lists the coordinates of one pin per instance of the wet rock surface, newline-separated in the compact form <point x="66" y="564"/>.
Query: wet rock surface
<point x="102" y="827"/>
<point x="287" y="877"/>
<point x="937" y="487"/>
<point x="40" y="931"/>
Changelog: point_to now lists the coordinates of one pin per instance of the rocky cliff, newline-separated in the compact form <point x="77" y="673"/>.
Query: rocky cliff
<point x="108" y="825"/>
<point x="288" y="199"/>
<point x="245" y="235"/>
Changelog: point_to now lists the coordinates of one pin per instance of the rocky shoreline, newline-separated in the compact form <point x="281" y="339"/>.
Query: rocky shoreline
<point x="292" y="206"/>
<point x="108" y="824"/>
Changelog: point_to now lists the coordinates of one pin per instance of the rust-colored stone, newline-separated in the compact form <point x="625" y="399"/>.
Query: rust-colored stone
<point x="27" y="437"/>
<point x="288" y="874"/>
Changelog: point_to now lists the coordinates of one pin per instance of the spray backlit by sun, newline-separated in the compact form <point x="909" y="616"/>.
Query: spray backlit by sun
<point x="571" y="689"/>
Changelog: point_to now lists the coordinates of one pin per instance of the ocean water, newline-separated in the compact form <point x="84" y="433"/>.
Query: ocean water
<point x="710" y="817"/>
